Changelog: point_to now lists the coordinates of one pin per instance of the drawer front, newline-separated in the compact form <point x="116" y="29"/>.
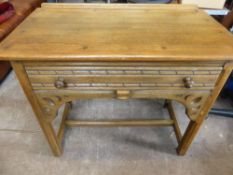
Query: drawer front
<point x="125" y="76"/>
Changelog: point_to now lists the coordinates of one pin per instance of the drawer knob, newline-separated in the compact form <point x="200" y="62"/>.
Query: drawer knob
<point x="188" y="82"/>
<point x="60" y="83"/>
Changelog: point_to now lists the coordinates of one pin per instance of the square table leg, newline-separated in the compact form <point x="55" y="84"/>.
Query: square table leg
<point x="194" y="126"/>
<point x="45" y="125"/>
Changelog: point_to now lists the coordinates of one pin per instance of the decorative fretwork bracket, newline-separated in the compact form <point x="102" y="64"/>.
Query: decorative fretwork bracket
<point x="51" y="101"/>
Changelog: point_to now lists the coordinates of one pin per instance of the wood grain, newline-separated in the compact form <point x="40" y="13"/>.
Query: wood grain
<point x="103" y="32"/>
<point x="65" y="52"/>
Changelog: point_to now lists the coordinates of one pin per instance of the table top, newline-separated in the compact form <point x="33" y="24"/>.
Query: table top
<point x="110" y="32"/>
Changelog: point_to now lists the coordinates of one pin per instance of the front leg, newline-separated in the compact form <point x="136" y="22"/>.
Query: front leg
<point x="40" y="114"/>
<point x="195" y="124"/>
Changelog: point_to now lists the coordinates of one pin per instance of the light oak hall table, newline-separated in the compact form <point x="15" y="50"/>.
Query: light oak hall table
<point x="66" y="52"/>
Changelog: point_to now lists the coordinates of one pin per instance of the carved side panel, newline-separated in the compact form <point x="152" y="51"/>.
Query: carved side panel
<point x="50" y="105"/>
<point x="194" y="104"/>
<point x="51" y="101"/>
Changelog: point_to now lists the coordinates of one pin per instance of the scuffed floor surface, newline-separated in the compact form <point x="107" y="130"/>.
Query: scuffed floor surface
<point x="105" y="151"/>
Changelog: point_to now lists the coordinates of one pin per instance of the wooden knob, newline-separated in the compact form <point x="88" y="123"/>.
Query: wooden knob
<point x="188" y="82"/>
<point x="60" y="83"/>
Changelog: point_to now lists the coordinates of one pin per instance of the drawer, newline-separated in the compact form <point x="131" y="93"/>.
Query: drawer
<point x="124" y="76"/>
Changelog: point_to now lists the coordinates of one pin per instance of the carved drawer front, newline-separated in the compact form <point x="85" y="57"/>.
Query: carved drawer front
<point x="124" y="76"/>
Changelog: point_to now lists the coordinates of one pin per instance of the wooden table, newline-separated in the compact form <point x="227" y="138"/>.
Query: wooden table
<point x="66" y="52"/>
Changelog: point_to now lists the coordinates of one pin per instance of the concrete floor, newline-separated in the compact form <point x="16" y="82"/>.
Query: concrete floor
<point x="100" y="151"/>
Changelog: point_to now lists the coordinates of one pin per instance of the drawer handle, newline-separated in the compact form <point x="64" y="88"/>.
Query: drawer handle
<point x="188" y="82"/>
<point x="60" y="83"/>
<point x="123" y="94"/>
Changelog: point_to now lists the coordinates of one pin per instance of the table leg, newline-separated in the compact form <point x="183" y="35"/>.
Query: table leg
<point x="51" y="137"/>
<point x="45" y="125"/>
<point x="188" y="137"/>
<point x="194" y="126"/>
